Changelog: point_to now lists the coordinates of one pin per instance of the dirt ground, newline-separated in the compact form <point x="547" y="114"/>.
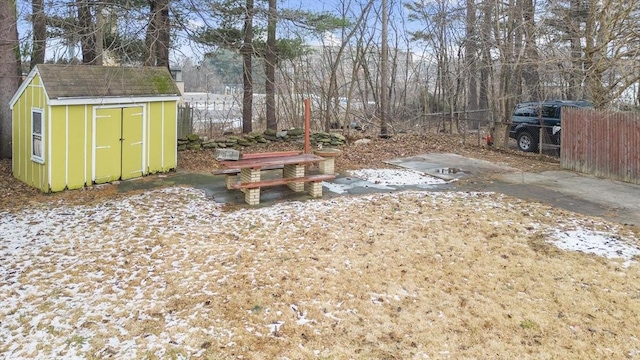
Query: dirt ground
<point x="373" y="154"/>
<point x="15" y="194"/>
<point x="167" y="273"/>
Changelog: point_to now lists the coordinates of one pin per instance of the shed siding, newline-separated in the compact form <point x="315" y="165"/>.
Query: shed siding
<point x="169" y="137"/>
<point x="77" y="160"/>
<point x="58" y="145"/>
<point x="154" y="144"/>
<point x="24" y="168"/>
<point x="87" y="143"/>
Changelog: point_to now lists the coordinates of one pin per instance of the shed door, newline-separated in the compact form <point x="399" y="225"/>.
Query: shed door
<point x="118" y="153"/>
<point x="108" y="151"/>
<point x="131" y="142"/>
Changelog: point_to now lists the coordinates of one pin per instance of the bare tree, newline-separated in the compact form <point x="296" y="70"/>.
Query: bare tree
<point x="247" y="72"/>
<point x="270" y="64"/>
<point x="86" y="31"/>
<point x="10" y="74"/>
<point x="158" y="34"/>
<point x="335" y="62"/>
<point x="39" y="32"/>
<point x="384" y="72"/>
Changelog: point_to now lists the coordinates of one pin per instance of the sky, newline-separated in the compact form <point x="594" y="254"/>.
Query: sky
<point x="183" y="49"/>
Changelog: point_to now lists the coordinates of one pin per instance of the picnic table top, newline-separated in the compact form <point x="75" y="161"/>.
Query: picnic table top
<point x="257" y="163"/>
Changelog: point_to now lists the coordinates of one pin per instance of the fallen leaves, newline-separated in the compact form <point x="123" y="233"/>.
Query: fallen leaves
<point x="15" y="194"/>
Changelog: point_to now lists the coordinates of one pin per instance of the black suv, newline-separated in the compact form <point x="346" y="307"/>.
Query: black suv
<point x="527" y="118"/>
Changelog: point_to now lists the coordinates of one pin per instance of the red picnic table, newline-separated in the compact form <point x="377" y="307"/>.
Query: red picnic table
<point x="293" y="163"/>
<point x="294" y="174"/>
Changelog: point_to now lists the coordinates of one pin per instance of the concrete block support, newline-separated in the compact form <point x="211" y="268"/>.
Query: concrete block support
<point x="251" y="196"/>
<point x="294" y="171"/>
<point x="314" y="189"/>
<point x="327" y="166"/>
<point x="249" y="175"/>
<point x="230" y="180"/>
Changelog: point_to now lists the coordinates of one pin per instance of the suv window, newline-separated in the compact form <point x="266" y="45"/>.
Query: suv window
<point x="550" y="112"/>
<point x="524" y="111"/>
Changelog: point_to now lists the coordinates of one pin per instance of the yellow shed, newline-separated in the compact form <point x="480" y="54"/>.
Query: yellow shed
<point x="77" y="125"/>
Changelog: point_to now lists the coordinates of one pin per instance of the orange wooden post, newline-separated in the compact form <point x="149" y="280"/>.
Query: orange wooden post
<point x="307" y="124"/>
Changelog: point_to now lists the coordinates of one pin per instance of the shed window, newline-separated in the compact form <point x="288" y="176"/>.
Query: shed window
<point x="37" y="141"/>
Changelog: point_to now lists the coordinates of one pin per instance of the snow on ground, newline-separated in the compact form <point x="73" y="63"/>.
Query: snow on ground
<point x="594" y="242"/>
<point x="52" y="245"/>
<point x="385" y="179"/>
<point x="396" y="177"/>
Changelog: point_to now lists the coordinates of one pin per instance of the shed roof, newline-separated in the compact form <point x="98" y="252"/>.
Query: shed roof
<point x="80" y="81"/>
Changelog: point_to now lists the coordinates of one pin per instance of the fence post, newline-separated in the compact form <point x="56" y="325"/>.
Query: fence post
<point x="540" y="140"/>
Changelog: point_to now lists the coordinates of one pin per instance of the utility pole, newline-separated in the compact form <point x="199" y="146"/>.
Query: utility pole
<point x="384" y="70"/>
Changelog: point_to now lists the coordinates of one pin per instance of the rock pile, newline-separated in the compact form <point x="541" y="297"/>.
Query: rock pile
<point x="326" y="139"/>
<point x="195" y="142"/>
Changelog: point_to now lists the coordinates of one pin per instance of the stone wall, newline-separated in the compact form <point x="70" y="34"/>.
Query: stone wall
<point x="195" y="142"/>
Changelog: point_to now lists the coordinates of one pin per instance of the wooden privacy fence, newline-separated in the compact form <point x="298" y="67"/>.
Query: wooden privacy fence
<point x="185" y="120"/>
<point x="602" y="143"/>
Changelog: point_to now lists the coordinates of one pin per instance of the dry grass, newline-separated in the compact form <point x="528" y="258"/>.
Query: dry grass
<point x="415" y="275"/>
<point x="390" y="276"/>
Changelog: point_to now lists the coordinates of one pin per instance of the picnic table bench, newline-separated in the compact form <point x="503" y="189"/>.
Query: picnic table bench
<point x="250" y="167"/>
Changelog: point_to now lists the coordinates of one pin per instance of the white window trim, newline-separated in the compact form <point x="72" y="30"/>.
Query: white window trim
<point x="34" y="158"/>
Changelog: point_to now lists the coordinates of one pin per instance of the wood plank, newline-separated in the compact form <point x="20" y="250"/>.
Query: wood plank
<point x="237" y="171"/>
<point x="264" y="162"/>
<point x="269" y="154"/>
<point x="282" y="181"/>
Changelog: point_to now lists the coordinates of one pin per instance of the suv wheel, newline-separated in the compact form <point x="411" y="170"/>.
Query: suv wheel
<point x="526" y="142"/>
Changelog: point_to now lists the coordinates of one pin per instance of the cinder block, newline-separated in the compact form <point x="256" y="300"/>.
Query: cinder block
<point x="314" y="189"/>
<point x="230" y="180"/>
<point x="249" y="175"/>
<point x="327" y="166"/>
<point x="252" y="196"/>
<point x="294" y="171"/>
<point x="291" y="171"/>
<point x="297" y="186"/>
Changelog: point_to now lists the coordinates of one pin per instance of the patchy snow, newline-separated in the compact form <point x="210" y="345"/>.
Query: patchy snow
<point x="598" y="243"/>
<point x="71" y="274"/>
<point x="396" y="177"/>
<point x="384" y="179"/>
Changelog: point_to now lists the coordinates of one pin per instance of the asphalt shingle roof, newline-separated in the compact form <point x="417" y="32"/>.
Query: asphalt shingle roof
<point x="77" y="81"/>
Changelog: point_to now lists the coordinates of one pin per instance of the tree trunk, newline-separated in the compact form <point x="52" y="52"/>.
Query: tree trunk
<point x="85" y="30"/>
<point x="384" y="69"/>
<point x="39" y="33"/>
<point x="576" y="73"/>
<point x="247" y="73"/>
<point x="485" y="85"/>
<point x="530" y="70"/>
<point x="270" y="67"/>
<point x="10" y="73"/>
<point x="151" y="37"/>
<point x="163" y="27"/>
<point x="99" y="35"/>
<point x="472" y="64"/>
<point x="485" y="68"/>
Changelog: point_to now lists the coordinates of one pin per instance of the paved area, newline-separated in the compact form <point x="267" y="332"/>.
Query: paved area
<point x="612" y="200"/>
